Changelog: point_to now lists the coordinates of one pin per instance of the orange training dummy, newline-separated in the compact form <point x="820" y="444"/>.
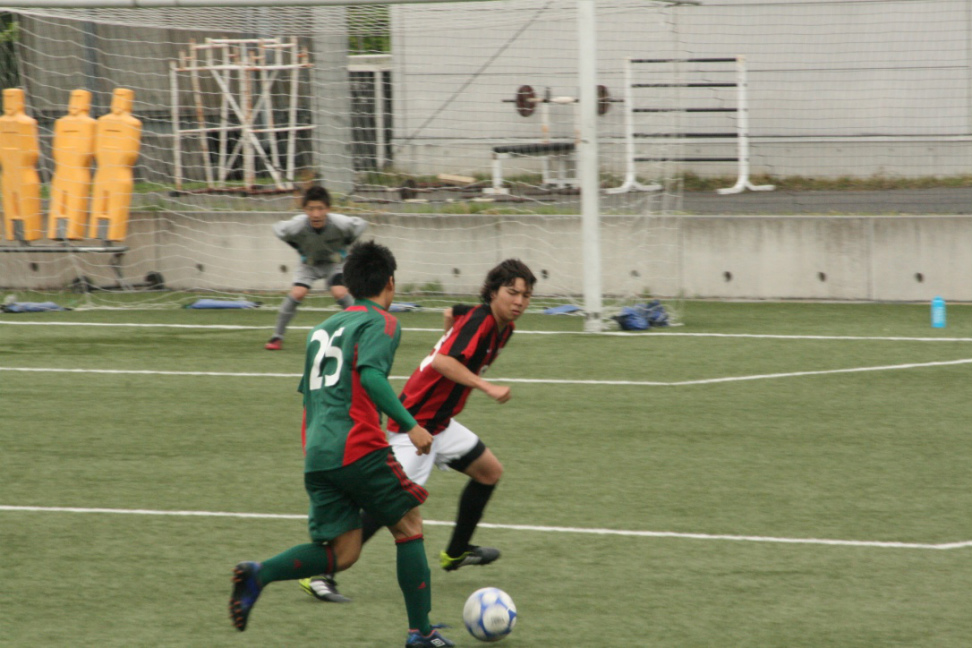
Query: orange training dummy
<point x="19" y="151"/>
<point x="73" y="147"/>
<point x="117" y="139"/>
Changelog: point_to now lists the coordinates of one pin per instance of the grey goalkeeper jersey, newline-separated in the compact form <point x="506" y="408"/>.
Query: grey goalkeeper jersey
<point x="318" y="247"/>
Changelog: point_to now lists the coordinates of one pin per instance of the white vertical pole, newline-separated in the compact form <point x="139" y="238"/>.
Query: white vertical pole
<point x="246" y="121"/>
<point x="222" y="171"/>
<point x="292" y="113"/>
<point x="379" y="118"/>
<point x="630" y="172"/>
<point x="587" y="162"/>
<point x="742" y="114"/>
<point x="742" y="133"/>
<point x="176" y="132"/>
<point x="629" y="146"/>
<point x="266" y="95"/>
<point x="200" y="111"/>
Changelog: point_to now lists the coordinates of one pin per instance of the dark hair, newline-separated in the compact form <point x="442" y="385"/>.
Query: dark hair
<point x="316" y="193"/>
<point x="368" y="268"/>
<point x="505" y="274"/>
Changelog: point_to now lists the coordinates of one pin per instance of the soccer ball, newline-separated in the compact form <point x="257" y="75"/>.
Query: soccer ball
<point x="489" y="614"/>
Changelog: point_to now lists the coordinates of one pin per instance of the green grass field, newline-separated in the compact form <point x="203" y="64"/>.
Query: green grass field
<point x="767" y="475"/>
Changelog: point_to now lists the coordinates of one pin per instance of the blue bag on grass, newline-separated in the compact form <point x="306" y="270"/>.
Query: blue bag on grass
<point x="642" y="317"/>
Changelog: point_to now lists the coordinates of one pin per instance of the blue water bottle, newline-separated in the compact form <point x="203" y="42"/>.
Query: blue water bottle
<point x="938" y="312"/>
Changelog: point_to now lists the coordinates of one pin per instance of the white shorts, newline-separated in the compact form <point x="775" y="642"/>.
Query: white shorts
<point x="451" y="444"/>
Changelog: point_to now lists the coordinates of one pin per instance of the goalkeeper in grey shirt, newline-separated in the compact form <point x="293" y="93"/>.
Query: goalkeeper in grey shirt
<point x="321" y="238"/>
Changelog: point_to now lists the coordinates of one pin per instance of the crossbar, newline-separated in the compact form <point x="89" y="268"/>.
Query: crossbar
<point x="688" y="135"/>
<point x="683" y="85"/>
<point x="685" y="110"/>
<point x="685" y="159"/>
<point x="536" y="149"/>
<point x="688" y="60"/>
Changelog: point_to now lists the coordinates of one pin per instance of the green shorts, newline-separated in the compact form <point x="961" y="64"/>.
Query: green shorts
<point x="376" y="483"/>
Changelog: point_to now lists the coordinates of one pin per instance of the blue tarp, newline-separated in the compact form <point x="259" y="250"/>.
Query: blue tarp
<point x="566" y="309"/>
<point x="32" y="307"/>
<point x="214" y="303"/>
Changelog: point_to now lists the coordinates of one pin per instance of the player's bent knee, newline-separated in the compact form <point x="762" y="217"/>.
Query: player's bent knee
<point x="486" y="469"/>
<point x="347" y="549"/>
<point x="346" y="560"/>
<point x="409" y="526"/>
<point x="298" y="292"/>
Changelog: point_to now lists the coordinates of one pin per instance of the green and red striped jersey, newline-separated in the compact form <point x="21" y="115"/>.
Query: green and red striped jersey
<point x="342" y="423"/>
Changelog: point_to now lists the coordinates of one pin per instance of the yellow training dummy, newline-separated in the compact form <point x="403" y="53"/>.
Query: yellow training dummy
<point x="73" y="147"/>
<point x="117" y="140"/>
<point x="19" y="151"/>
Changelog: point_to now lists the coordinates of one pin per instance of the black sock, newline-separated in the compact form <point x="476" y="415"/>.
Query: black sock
<point x="472" y="503"/>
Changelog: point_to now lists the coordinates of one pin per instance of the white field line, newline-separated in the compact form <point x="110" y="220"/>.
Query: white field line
<point x="541" y="381"/>
<point x="519" y="527"/>
<point x="234" y="327"/>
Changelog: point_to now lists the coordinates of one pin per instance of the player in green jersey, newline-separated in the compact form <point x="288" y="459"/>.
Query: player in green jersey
<point x="349" y="466"/>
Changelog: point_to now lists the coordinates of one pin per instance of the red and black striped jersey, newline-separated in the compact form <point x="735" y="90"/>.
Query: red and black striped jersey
<point x="475" y="341"/>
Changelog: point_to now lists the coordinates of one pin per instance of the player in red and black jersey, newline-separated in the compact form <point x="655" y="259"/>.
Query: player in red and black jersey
<point x="436" y="392"/>
<point x="473" y="340"/>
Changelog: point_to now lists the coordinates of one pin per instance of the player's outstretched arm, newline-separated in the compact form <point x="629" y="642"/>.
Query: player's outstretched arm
<point x="460" y="374"/>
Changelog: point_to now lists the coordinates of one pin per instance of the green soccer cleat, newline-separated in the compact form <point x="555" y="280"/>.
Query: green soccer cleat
<point x="475" y="556"/>
<point x="323" y="588"/>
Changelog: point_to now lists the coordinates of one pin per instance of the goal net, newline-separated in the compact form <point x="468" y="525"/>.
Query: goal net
<point x="451" y="128"/>
<point x="454" y="130"/>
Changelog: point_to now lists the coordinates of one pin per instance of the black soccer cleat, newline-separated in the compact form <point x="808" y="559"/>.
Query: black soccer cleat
<point x="434" y="640"/>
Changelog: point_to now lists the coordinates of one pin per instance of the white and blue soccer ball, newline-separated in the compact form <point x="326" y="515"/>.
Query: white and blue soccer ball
<point x="489" y="614"/>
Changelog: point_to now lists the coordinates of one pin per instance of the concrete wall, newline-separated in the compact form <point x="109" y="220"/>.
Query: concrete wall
<point x="873" y="258"/>
<point x="893" y="258"/>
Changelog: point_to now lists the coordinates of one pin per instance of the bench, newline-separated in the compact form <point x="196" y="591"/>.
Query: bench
<point x="558" y="163"/>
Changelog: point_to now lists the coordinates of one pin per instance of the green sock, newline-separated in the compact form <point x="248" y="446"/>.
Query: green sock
<point x="415" y="580"/>
<point x="297" y="562"/>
